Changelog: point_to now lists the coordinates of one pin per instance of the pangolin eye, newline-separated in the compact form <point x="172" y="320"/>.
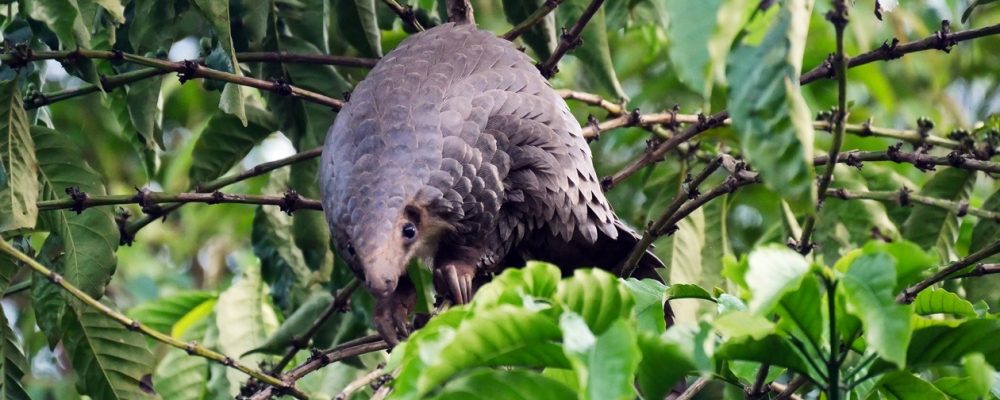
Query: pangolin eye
<point x="409" y="231"/>
<point x="350" y="249"/>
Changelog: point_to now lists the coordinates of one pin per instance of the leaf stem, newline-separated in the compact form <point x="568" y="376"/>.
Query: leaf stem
<point x="134" y="325"/>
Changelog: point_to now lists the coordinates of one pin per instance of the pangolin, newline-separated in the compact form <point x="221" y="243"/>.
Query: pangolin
<point x="456" y="151"/>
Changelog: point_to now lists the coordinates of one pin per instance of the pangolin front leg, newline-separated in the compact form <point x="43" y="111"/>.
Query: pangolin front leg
<point x="454" y="271"/>
<point x="392" y="311"/>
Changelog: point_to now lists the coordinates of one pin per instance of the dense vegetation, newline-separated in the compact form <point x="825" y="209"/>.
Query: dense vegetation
<point x="818" y="177"/>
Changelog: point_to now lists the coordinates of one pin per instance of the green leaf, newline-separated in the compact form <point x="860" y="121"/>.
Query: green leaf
<point x="297" y="324"/>
<point x="282" y="263"/>
<point x="972" y="7"/>
<point x="769" y="115"/>
<point x="649" y="297"/>
<point x="605" y="365"/>
<point x="541" y="38"/>
<point x="82" y="245"/>
<point x="932" y="227"/>
<point x="154" y="25"/>
<point x="217" y="13"/>
<point x="939" y="301"/>
<point x="981" y="374"/>
<point x="65" y="20"/>
<point x="692" y="24"/>
<point x="594" y="53"/>
<point x="144" y="110"/>
<point x="946" y="345"/>
<point x="504" y="335"/>
<point x="13" y="363"/>
<point x="112" y="361"/>
<point x="519" y="286"/>
<point x="742" y="323"/>
<point x="685" y="261"/>
<point x="957" y="388"/>
<point x="868" y="290"/>
<point x="161" y="314"/>
<point x="772" y="272"/>
<point x="911" y="261"/>
<point x="181" y="376"/>
<point x="772" y="349"/>
<point x="984" y="233"/>
<point x="504" y="385"/>
<point x="225" y="141"/>
<point x="18" y="166"/>
<point x="358" y="23"/>
<point x="688" y="291"/>
<point x="803" y="314"/>
<point x="114" y="8"/>
<point x="597" y="296"/>
<point x="663" y="365"/>
<point x="905" y="386"/>
<point x="244" y="321"/>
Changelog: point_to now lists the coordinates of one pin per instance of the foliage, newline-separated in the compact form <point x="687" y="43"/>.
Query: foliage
<point x="91" y="113"/>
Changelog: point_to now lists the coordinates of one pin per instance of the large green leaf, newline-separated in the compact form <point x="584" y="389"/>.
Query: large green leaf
<point x="18" y="166"/>
<point x="769" y="115"/>
<point x="772" y="272"/>
<point x="504" y="385"/>
<point x="112" y="361"/>
<point x="161" y="314"/>
<point x="906" y="386"/>
<point x="297" y="324"/>
<point x="542" y="36"/>
<point x="519" y="286"/>
<point x="868" y="289"/>
<point x="605" y="365"/>
<point x="692" y="24"/>
<point x="358" y="23"/>
<point x="802" y="313"/>
<point x="504" y="335"/>
<point x="937" y="228"/>
<point x="663" y="365"/>
<point x="13" y="363"/>
<point x="225" y="141"/>
<point x="686" y="261"/>
<point x="947" y="345"/>
<point x="154" y="25"/>
<point x="65" y="20"/>
<point x="244" y="321"/>
<point x="217" y="13"/>
<point x="940" y="301"/>
<point x="649" y="297"/>
<point x="772" y="349"/>
<point x="594" y="53"/>
<point x="597" y="296"/>
<point x="144" y="109"/>
<point x="181" y="376"/>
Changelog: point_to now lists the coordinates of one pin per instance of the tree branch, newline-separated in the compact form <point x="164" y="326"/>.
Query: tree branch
<point x="532" y="19"/>
<point x="920" y="160"/>
<point x="300" y="342"/>
<point x="349" y="349"/>
<point x="460" y="12"/>
<point x="838" y="17"/>
<point x="128" y="232"/>
<point x="405" y="13"/>
<point x="569" y="40"/>
<point x="903" y="198"/>
<point x="695" y="387"/>
<point x="134" y="325"/>
<point x="979" y="270"/>
<point x="290" y="202"/>
<point x="655" y="155"/>
<point x="910" y="293"/>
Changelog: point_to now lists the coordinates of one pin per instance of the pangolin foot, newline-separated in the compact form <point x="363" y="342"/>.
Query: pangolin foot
<point x="392" y="315"/>
<point x="457" y="279"/>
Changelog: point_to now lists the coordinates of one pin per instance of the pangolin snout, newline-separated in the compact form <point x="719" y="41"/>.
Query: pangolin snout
<point x="380" y="285"/>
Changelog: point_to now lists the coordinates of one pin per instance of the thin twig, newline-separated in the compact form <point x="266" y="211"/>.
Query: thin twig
<point x="910" y="293"/>
<point x="839" y="18"/>
<point x="134" y="325"/>
<point x="920" y="160"/>
<point x="17" y="288"/>
<point x="532" y="19"/>
<point x="108" y="83"/>
<point x="300" y="342"/>
<point x="979" y="270"/>
<point x="695" y="387"/>
<point x="757" y="390"/>
<point x="788" y="392"/>
<point x="405" y="13"/>
<point x="569" y="40"/>
<point x="353" y="348"/>
<point x="360" y="383"/>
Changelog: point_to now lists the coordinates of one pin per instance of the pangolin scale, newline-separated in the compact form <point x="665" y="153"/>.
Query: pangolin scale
<point x="456" y="150"/>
